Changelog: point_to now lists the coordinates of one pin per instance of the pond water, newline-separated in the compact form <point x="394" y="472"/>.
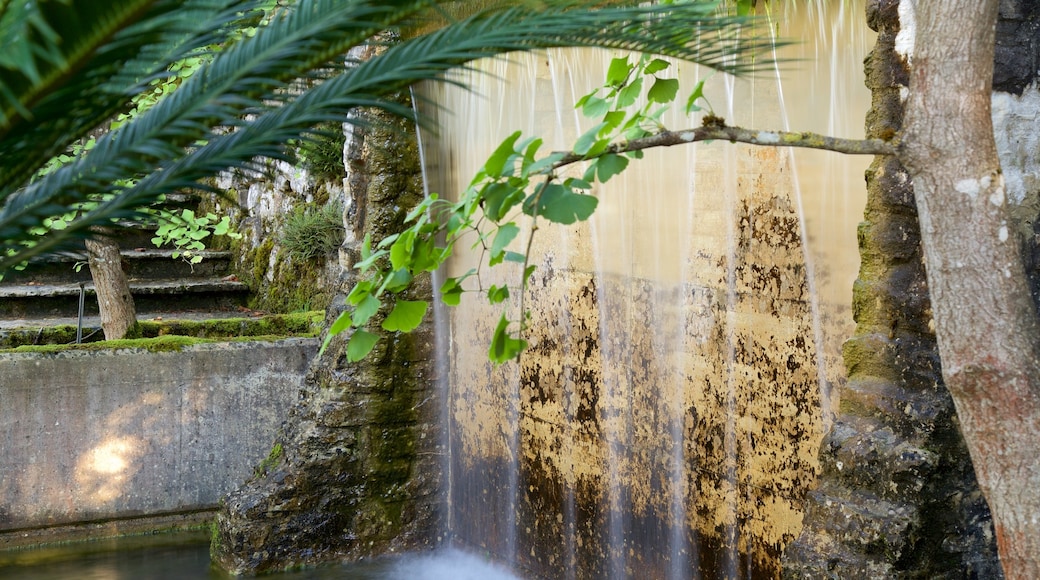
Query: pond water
<point x="186" y="557"/>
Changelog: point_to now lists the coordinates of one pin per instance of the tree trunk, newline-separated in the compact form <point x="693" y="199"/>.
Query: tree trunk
<point x="985" y="322"/>
<point x="116" y="304"/>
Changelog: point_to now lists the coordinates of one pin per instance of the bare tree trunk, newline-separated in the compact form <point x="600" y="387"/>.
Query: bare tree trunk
<point x="115" y="302"/>
<point x="985" y="322"/>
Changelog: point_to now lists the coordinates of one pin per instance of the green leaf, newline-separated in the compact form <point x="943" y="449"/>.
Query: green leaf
<point x="426" y="256"/>
<point x="358" y="293"/>
<point x="451" y="291"/>
<point x="503" y="346"/>
<point x="698" y="92"/>
<point x="628" y="95"/>
<point x="401" y="251"/>
<point x="342" y="323"/>
<point x="587" y="141"/>
<point x="420" y="208"/>
<point x="515" y="257"/>
<point x="581" y="102"/>
<point x="655" y="66"/>
<point x="368" y="306"/>
<point x="385" y="242"/>
<point x="527" y="274"/>
<point x="531" y="148"/>
<point x="361" y="343"/>
<point x="366" y="247"/>
<point x="222" y="227"/>
<point x="560" y="204"/>
<point x="499" y="198"/>
<point x="506" y="233"/>
<point x="397" y="280"/>
<point x="618" y="71"/>
<point x="406" y="315"/>
<point x="497" y="294"/>
<point x="612" y="120"/>
<point x="610" y="165"/>
<point x="595" y="107"/>
<point x="495" y="166"/>
<point x="542" y="164"/>
<point x="663" y="91"/>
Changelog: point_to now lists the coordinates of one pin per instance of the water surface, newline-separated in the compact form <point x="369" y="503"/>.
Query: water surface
<point x="186" y="557"/>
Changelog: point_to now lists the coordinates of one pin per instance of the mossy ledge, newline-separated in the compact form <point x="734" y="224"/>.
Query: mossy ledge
<point x="170" y="335"/>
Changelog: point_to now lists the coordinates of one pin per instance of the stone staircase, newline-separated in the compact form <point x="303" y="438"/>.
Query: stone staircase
<point x="47" y="292"/>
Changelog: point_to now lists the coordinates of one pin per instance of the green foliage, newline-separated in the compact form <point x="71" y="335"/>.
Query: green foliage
<point x="513" y="183"/>
<point x="270" y="461"/>
<point x="185" y="232"/>
<point x="321" y="153"/>
<point x="310" y="233"/>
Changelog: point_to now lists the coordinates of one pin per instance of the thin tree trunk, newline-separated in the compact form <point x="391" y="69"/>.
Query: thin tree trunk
<point x="985" y="322"/>
<point x="115" y="302"/>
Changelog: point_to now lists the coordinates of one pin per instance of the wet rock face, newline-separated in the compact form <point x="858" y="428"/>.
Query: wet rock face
<point x="1017" y="55"/>
<point x="898" y="495"/>
<point x="353" y="472"/>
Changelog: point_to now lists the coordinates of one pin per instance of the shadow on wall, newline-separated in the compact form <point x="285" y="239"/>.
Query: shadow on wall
<point x="87" y="436"/>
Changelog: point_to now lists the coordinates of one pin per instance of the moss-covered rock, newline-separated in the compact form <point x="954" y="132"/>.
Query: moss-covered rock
<point x="357" y="474"/>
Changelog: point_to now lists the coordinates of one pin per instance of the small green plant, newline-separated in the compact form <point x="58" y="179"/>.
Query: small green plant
<point x="269" y="462"/>
<point x="321" y="153"/>
<point x="185" y="231"/>
<point x="314" y="233"/>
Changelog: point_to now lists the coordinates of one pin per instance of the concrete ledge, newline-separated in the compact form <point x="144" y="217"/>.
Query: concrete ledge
<point x="103" y="530"/>
<point x="99" y="436"/>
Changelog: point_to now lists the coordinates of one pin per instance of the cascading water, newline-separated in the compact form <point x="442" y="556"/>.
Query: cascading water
<point x="665" y="421"/>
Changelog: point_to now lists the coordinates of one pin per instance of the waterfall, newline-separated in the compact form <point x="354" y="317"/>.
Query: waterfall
<point x="685" y="341"/>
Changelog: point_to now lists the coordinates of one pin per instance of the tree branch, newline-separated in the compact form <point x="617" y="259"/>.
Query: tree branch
<point x="715" y="129"/>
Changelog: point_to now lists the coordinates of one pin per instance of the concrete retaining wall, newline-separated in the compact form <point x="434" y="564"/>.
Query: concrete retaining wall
<point x="89" y="436"/>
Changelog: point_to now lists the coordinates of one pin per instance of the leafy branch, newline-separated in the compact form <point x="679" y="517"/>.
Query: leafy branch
<point x="516" y="182"/>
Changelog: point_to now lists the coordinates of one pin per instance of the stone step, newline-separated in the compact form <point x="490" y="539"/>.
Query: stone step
<point x="163" y="295"/>
<point x="70" y="267"/>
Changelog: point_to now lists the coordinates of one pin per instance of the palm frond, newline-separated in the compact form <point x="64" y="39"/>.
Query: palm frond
<point x="178" y="138"/>
<point x="237" y="80"/>
<point x="119" y="68"/>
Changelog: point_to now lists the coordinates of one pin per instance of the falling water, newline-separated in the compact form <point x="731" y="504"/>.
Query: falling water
<point x="665" y="421"/>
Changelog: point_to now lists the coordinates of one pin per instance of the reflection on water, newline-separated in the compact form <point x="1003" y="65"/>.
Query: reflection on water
<point x="186" y="557"/>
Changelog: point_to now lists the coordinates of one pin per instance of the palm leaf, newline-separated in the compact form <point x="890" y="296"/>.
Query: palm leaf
<point x="119" y="67"/>
<point x="247" y="77"/>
